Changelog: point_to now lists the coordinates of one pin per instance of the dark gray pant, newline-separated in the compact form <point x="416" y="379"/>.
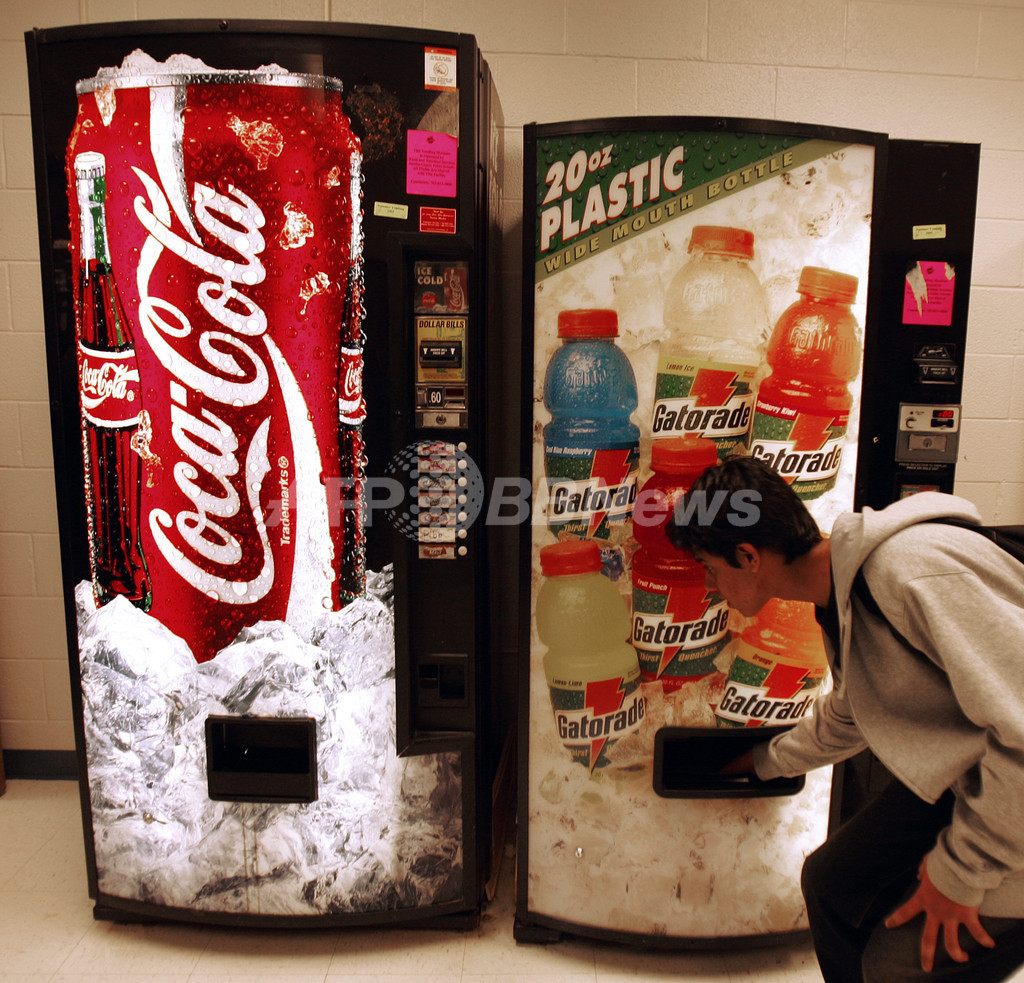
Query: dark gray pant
<point x="865" y="870"/>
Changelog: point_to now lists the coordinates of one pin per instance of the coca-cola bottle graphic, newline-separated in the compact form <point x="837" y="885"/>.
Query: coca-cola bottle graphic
<point x="351" y="442"/>
<point x="111" y="401"/>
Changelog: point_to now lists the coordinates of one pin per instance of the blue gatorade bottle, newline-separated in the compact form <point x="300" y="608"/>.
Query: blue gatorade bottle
<point x="591" y="448"/>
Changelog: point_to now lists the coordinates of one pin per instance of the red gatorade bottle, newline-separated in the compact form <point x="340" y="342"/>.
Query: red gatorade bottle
<point x="679" y="627"/>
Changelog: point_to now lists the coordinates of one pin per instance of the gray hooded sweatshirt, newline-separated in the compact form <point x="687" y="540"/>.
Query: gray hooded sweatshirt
<point x="943" y="706"/>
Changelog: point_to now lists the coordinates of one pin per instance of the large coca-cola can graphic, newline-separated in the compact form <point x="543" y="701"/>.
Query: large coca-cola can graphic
<point x="233" y="239"/>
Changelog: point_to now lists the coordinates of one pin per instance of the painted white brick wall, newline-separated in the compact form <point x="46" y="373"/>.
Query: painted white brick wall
<point x="925" y="69"/>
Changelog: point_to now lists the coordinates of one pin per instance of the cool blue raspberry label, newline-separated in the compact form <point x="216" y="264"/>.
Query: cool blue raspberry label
<point x="590" y="717"/>
<point x="591" y="492"/>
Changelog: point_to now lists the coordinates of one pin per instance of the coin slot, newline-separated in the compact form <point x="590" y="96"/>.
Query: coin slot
<point x="441" y="681"/>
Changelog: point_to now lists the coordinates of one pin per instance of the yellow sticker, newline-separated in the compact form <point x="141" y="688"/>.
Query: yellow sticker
<point x="930" y="231"/>
<point x="388" y="209"/>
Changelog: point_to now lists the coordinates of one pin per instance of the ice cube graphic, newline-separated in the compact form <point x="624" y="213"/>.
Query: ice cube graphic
<point x="385" y="832"/>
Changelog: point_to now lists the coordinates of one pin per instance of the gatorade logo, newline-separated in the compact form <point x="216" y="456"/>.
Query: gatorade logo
<point x="677" y="631"/>
<point x="704" y="399"/>
<point x="761" y="689"/>
<point x="590" y="490"/>
<point x="805" y="448"/>
<point x="752" y="706"/>
<point x="680" y="417"/>
<point x="581" y="500"/>
<point x="800" y="465"/>
<point x="605" y="718"/>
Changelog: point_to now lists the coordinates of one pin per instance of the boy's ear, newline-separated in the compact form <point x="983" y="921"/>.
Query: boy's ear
<point x="748" y="557"/>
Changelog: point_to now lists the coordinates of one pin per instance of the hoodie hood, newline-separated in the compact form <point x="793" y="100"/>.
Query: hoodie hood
<point x="858" y="533"/>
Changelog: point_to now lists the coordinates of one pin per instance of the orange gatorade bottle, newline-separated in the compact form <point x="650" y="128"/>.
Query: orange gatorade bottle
<point x="679" y="627"/>
<point x="779" y="668"/>
<point x="803" y="406"/>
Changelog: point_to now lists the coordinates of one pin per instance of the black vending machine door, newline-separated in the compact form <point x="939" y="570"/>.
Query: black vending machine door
<point x="911" y="421"/>
<point x="921" y="274"/>
<point x="293" y="738"/>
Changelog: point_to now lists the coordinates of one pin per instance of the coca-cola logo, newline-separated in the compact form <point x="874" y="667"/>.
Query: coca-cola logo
<point x="103" y="379"/>
<point x="194" y="540"/>
<point x="351" y="407"/>
<point x="109" y="386"/>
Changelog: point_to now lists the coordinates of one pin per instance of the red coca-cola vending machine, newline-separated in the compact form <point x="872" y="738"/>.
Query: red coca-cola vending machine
<point x="268" y="262"/>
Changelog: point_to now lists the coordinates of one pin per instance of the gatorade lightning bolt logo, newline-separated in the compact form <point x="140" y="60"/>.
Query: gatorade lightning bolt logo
<point x="806" y="449"/>
<point x="685" y="608"/>
<point x="591" y="491"/>
<point x="678" y="632"/>
<point x="761" y="690"/>
<point x="703" y="400"/>
<point x="782" y="683"/>
<point x="712" y="387"/>
<point x="591" y="717"/>
<point x="604" y="698"/>
<point x="810" y="433"/>
<point x="610" y="468"/>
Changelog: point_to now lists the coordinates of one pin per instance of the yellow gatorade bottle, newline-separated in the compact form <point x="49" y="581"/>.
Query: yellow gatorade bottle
<point x="591" y="669"/>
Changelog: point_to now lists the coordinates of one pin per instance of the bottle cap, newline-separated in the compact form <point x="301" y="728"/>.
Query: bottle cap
<point x="828" y="284"/>
<point x="588" y="323"/>
<point x="89" y="165"/>
<point x="680" y="454"/>
<point x="788" y="630"/>
<point x="722" y="239"/>
<point x="562" y="559"/>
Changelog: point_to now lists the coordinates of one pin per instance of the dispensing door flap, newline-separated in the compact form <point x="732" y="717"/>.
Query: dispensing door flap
<point x="688" y="764"/>
<point x="261" y="759"/>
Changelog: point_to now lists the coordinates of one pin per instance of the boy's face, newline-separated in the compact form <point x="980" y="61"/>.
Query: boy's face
<point x="739" y="586"/>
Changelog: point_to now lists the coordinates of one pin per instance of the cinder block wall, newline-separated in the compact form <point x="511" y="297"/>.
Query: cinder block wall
<point x="923" y="69"/>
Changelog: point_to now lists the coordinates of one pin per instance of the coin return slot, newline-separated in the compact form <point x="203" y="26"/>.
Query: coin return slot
<point x="442" y="682"/>
<point x="261" y="759"/>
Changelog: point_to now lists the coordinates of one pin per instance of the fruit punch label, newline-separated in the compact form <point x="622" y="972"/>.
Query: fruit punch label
<point x="805" y="448"/>
<point x="591" y="492"/>
<point x="762" y="690"/>
<point x="591" y="717"/>
<point x="678" y="632"/>
<point x="703" y="399"/>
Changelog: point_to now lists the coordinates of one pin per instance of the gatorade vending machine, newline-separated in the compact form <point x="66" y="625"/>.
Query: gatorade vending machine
<point x="696" y="288"/>
<point x="728" y="262"/>
<point x="268" y="262"/>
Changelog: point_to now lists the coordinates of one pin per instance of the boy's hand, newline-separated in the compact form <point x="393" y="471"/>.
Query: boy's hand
<point x="939" y="912"/>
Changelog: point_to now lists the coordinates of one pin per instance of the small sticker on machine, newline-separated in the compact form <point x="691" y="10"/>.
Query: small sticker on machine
<point x="387" y="209"/>
<point x="437" y="220"/>
<point x="440" y="68"/>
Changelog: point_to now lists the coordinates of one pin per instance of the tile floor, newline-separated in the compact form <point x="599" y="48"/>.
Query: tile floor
<point x="48" y="934"/>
